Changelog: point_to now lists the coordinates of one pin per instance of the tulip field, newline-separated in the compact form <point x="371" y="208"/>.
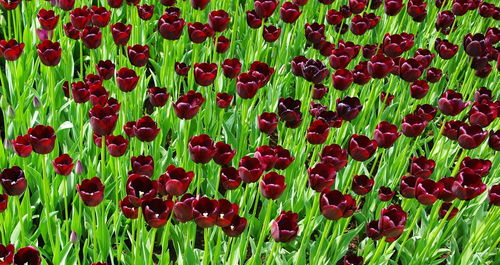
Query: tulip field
<point x="249" y="132"/>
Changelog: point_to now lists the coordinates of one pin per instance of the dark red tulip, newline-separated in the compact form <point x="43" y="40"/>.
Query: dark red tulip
<point x="410" y="70"/>
<point x="272" y="185"/>
<point x="471" y="136"/>
<point x="300" y="2"/>
<point x="444" y="21"/>
<point x="395" y="45"/>
<point x="340" y="58"/>
<point x="116" y="145"/>
<point x="331" y="118"/>
<point x="335" y="205"/>
<point x="121" y="33"/>
<point x="63" y="165"/>
<point x="392" y="7"/>
<point x="372" y="230"/>
<point x="218" y="20"/>
<point x="157" y="211"/>
<point x="236" y="227"/>
<point x="229" y="178"/>
<point x="494" y="195"/>
<point x="223" y="44"/>
<point x="183" y="208"/>
<point x="141" y="188"/>
<point x="113" y="104"/>
<point x="138" y="55"/>
<point x="421" y="167"/>
<point x="49" y="52"/>
<point x="22" y="145"/>
<point x="250" y="169"/>
<point x="115" y="3"/>
<point x="348" y="108"/>
<point x="289" y="110"/>
<point x="126" y="79"/>
<point x="361" y="184"/>
<point x="334" y="17"/>
<point x="158" y="96"/>
<point x="467" y="185"/>
<point x="98" y="95"/>
<point x="385" y="193"/>
<point x="460" y="7"/>
<point x="361" y="147"/>
<point x="342" y="79"/>
<point x="482" y="114"/>
<point x="484" y="72"/>
<point x="223" y="153"/>
<point x="450" y="129"/>
<point x="316" y="108"/>
<point x="445" y="49"/>
<point x="80" y="17"/>
<point x="199" y="32"/>
<point x="71" y="32"/>
<point x="417" y="10"/>
<point x="42" y="139"/>
<point x="427" y="191"/>
<point x="223" y="100"/>
<point x="106" y="69"/>
<point x="360" y="73"/>
<point x="103" y="119"/>
<point x="265" y="8"/>
<point x="13" y="181"/>
<point x="360" y="24"/>
<point x="271" y="33"/>
<point x="247" y="85"/>
<point x="201" y="148"/>
<point x="424" y="57"/>
<point x="91" y="37"/>
<point x="386" y="134"/>
<point x="407" y="186"/>
<point x="369" y="50"/>
<point x="188" y="105"/>
<point x="314" y="32"/>
<point x="319" y="91"/>
<point x="321" y="175"/>
<point x="227" y="211"/>
<point x="379" y="66"/>
<point x="349" y="46"/>
<point x="100" y="16"/>
<point x="97" y="140"/>
<point x="351" y="259"/>
<point x="9" y="5"/>
<point x="27" y="255"/>
<point x="231" y="67"/>
<point x="433" y="75"/>
<point x="253" y="20"/>
<point x="386" y="98"/>
<point x="47" y="18"/>
<point x="475" y="45"/>
<point x="205" y="73"/>
<point x="91" y="191"/>
<point x="392" y="222"/>
<point x="181" y="68"/>
<point x="261" y="71"/>
<point x="205" y="212"/>
<point x="357" y="6"/>
<point x="486" y="10"/>
<point x="443" y="210"/>
<point x="494" y="140"/>
<point x="145" y="11"/>
<point x="283" y="158"/>
<point x="479" y="166"/>
<point x="267" y="156"/>
<point x="175" y="181"/>
<point x="426" y="111"/>
<point x="7" y="251"/>
<point x="146" y="129"/>
<point x="334" y="155"/>
<point x="318" y="131"/>
<point x="285" y="228"/>
<point x="447" y="194"/>
<point x="132" y="2"/>
<point x="314" y="71"/>
<point x="289" y="12"/>
<point x="419" y="89"/>
<point x="170" y="26"/>
<point x="297" y="63"/>
<point x="199" y="4"/>
<point x="128" y="209"/>
<point x="413" y="125"/>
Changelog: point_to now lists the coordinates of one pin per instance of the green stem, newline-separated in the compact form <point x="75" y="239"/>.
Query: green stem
<point x="263" y="231"/>
<point x="324" y="235"/>
<point x="378" y="252"/>
<point x="269" y="259"/>
<point x="206" y="244"/>
<point x="308" y="227"/>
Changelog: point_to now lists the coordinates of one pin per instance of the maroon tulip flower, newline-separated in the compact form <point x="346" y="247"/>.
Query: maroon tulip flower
<point x="359" y="25"/>
<point x="223" y="153"/>
<point x="91" y="191"/>
<point x="410" y="70"/>
<point x="223" y="100"/>
<point x="433" y="75"/>
<point x="71" y="32"/>
<point x="392" y="222"/>
<point x="141" y="188"/>
<point x="175" y="181"/>
<point x="170" y="26"/>
<point x="424" y="57"/>
<point x="392" y="7"/>
<point x="227" y="211"/>
<point x="361" y="147"/>
<point x="369" y="50"/>
<point x="283" y="158"/>
<point x="157" y="211"/>
<point x="103" y="119"/>
<point x="386" y="134"/>
<point x="236" y="227"/>
<point x="421" y="167"/>
<point x="253" y="20"/>
<point x="467" y="185"/>
<point x="427" y="191"/>
<point x="379" y="66"/>
<point x="445" y="49"/>
<point x="100" y="16"/>
<point x="285" y="228"/>
<point x="80" y="17"/>
<point x="315" y="109"/>
<point x="321" y="176"/>
<point x="494" y="140"/>
<point x="426" y="111"/>
<point x="146" y="129"/>
<point x="351" y="259"/>
<point x="231" y="67"/>
<point x="482" y="114"/>
<point x="372" y="230"/>
<point x="340" y="58"/>
<point x="335" y="205"/>
<point x="361" y="184"/>
<point x="334" y="155"/>
<point x="183" y="208"/>
<point x="116" y="145"/>
<point x="229" y="178"/>
<point x="49" y="52"/>
<point x="482" y="94"/>
<point x="447" y="194"/>
<point x="27" y="255"/>
<point x="158" y="96"/>
<point x="494" y="195"/>
<point x="261" y="71"/>
<point x="188" y="105"/>
<point x="181" y="68"/>
<point x="199" y="32"/>
<point x="145" y="11"/>
<point x="247" y="85"/>
<point x="385" y="193"/>
<point x="314" y="71"/>
<point x="223" y="44"/>
<point x="297" y="63"/>
<point x="417" y="10"/>
<point x="266" y="155"/>
<point x="7" y="252"/>
<point x="386" y="98"/>
<point x="451" y="103"/>
<point x="265" y="8"/>
<point x="47" y="18"/>
<point x="42" y="139"/>
<point x="98" y="95"/>
<point x="394" y="45"/>
<point x="348" y="108"/>
<point x="475" y="45"/>
<point x="271" y="33"/>
<point x="105" y="69"/>
<point x="314" y="32"/>
<point x="126" y="79"/>
<point x="22" y="145"/>
<point x="289" y="12"/>
<point x="413" y="125"/>
<point x="319" y="91"/>
<point x="205" y="73"/>
<point x="115" y="3"/>
<point x="9" y="5"/>
<point x="199" y="4"/>
<point x="128" y="209"/>
<point x="205" y="212"/>
<point x="138" y="55"/>
<point x="360" y="74"/>
<point x="450" y="129"/>
<point x="318" y="131"/>
<point x="250" y="169"/>
<point x="63" y="165"/>
<point x="218" y="20"/>
<point x="272" y="185"/>
<point x="471" y="136"/>
<point x="121" y="33"/>
<point x="443" y="210"/>
<point x="13" y="181"/>
<point x="419" y="89"/>
<point x="97" y="140"/>
<point x="357" y="6"/>
<point x="479" y="166"/>
<point x="201" y="148"/>
<point x="408" y="185"/>
<point x="487" y="10"/>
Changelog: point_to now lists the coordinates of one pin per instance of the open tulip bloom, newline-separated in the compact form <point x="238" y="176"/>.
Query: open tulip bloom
<point x="249" y="132"/>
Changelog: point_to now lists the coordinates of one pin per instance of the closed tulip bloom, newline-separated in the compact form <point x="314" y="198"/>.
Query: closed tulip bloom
<point x="158" y="96"/>
<point x="369" y="50"/>
<point x="199" y="32"/>
<point x="27" y="255"/>
<point x="218" y="20"/>
<point x="205" y="73"/>
<point x="335" y="205"/>
<point x="145" y="11"/>
<point x="48" y="20"/>
<point x="146" y="129"/>
<point x="394" y="45"/>
<point x="265" y="8"/>
<point x="157" y="211"/>
<point x="188" y="105"/>
<point x="183" y="208"/>
<point x="319" y="91"/>
<point x="97" y="140"/>
<point x="229" y="178"/>
<point x="413" y="125"/>
<point x="419" y="89"/>
<point x="170" y="26"/>
<point x="205" y="212"/>
<point x="334" y="155"/>
<point x="223" y="153"/>
<point x="42" y="139"/>
<point x="386" y="98"/>
<point x="80" y="17"/>
<point x="63" y="165"/>
<point x="410" y="70"/>
<point x="13" y="181"/>
<point x="361" y="184"/>
<point x="115" y="3"/>
<point x="268" y="122"/>
<point x="105" y="69"/>
<point x="451" y="103"/>
<point x="467" y="185"/>
<point x="348" y="108"/>
<point x="201" y="148"/>
<point x="250" y="169"/>
<point x="266" y="155"/>
<point x="385" y="193"/>
<point x="471" y="136"/>
<point x="351" y="259"/>
<point x="91" y="191"/>
<point x="9" y="5"/>
<point x="421" y="167"/>
<point x="261" y="71"/>
<point x="445" y="49"/>
<point x="297" y="63"/>
<point x="443" y="210"/>
<point x="289" y="12"/>
<point x="116" y="145"/>
<point x="227" y="211"/>
<point x="494" y="140"/>
<point x="223" y="100"/>
<point x="392" y="7"/>
<point x="100" y="16"/>
<point x="199" y="4"/>
<point x="138" y="55"/>
<point x="447" y="193"/>
<point x="175" y="181"/>
<point x="494" y="195"/>
<point x="314" y="32"/>
<point x="318" y="131"/>
<point x="426" y="111"/>
<point x="128" y="209"/>
<point x="316" y="108"/>
<point x="7" y="252"/>
<point x="424" y="57"/>
<point x="450" y="129"/>
<point x="372" y="230"/>
<point x="236" y="227"/>
<point x="321" y="176"/>
<point x="49" y="52"/>
<point x="482" y="94"/>
<point x="285" y="228"/>
<point x="408" y="185"/>
<point x="357" y="6"/>
<point x="98" y="95"/>
<point x="361" y="147"/>
<point x="482" y="114"/>
<point x="314" y="71"/>
<point x="487" y="10"/>
<point x="475" y="45"/>
<point x="334" y="17"/>
<point x="231" y="67"/>
<point x="445" y="21"/>
<point x="417" y="10"/>
<point x="113" y="104"/>
<point x="283" y="158"/>
<point x="141" y="188"/>
<point x="247" y="85"/>
<point x="253" y="20"/>
<point x="386" y="134"/>
<point x="181" y="68"/>
<point x="360" y="74"/>
<point x="71" y="32"/>
<point x="103" y="119"/>
<point x="223" y="44"/>
<point x="479" y="166"/>
<point x="272" y="185"/>
<point x="392" y="222"/>
<point x="271" y="33"/>
<point x="427" y="191"/>
<point x="359" y="25"/>
<point x="433" y="75"/>
<point x="22" y="145"/>
<point x="128" y="128"/>
<point x="339" y="58"/>
<point x="379" y="66"/>
<point x="126" y="79"/>
<point x="121" y="33"/>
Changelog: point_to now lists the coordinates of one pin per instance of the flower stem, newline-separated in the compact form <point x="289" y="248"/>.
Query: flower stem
<point x="263" y="231"/>
<point x="378" y="252"/>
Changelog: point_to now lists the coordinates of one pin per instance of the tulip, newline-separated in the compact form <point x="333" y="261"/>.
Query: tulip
<point x="487" y="10"/>
<point x="289" y="109"/>
<point x="444" y="21"/>
<point x="361" y="147"/>
<point x="13" y="181"/>
<point x="395" y="45"/>
<point x="42" y="139"/>
<point x="223" y="100"/>
<point x="321" y="176"/>
<point x="199" y="32"/>
<point x="450" y="129"/>
<point x="482" y="114"/>
<point x="319" y="91"/>
<point x="318" y="131"/>
<point x="128" y="209"/>
<point x="467" y="185"/>
<point x="183" y="208"/>
<point x="386" y="98"/>
<point x="223" y="44"/>
<point x="63" y="165"/>
<point x="106" y="69"/>
<point x="201" y="148"/>
<point x="314" y="32"/>
<point x="205" y="212"/>
<point x="188" y="105"/>
<point x="334" y="17"/>
<point x="482" y="94"/>
<point x="126" y="79"/>
<point x="266" y="156"/>
<point x="49" y="52"/>
<point x="116" y="145"/>
<point x="158" y="96"/>
<point x="272" y="185"/>
<point x="410" y="70"/>
<point x="413" y="125"/>
<point x="348" y="108"/>
<point x="417" y="10"/>
<point x="289" y="12"/>
<point x="271" y="33"/>
<point x="379" y="66"/>
<point x="247" y="85"/>
<point x="146" y="129"/>
<point x="335" y="205"/>
<point x="494" y="140"/>
<point x="115" y="3"/>
<point x="339" y="58"/>
<point x="471" y="136"/>
<point x="360" y="73"/>
<point x="447" y="193"/>
<point x="424" y="57"/>
<point x="205" y="73"/>
<point x="157" y="211"/>
<point x="265" y="8"/>
<point x="385" y="193"/>
<point x="285" y="228"/>
<point x="316" y="108"/>
<point x="421" y="167"/>
<point x="223" y="153"/>
<point x="450" y="103"/>
<point x="474" y="45"/>
<point x="392" y="7"/>
<point x="48" y="20"/>
<point x="142" y="165"/>
<point x="268" y="122"/>
<point x="427" y="191"/>
<point x="145" y="11"/>
<point x="227" y="211"/>
<point x="392" y="222"/>
<point x="250" y="169"/>
<point x="7" y="253"/>
<point x="419" y="89"/>
<point x="236" y="227"/>
<point x="121" y="33"/>
<point x="199" y="4"/>
<point x="175" y="181"/>
<point x="22" y="145"/>
<point x="261" y="71"/>
<point x="253" y="20"/>
<point x="141" y="188"/>
<point x="103" y="119"/>
<point x="91" y="191"/>
<point x="27" y="255"/>
<point x="218" y="20"/>
<point x="100" y="16"/>
<point x="359" y="25"/>
<point x="445" y="49"/>
<point x="494" y="195"/>
<point x="426" y="111"/>
<point x="433" y="75"/>
<point x="372" y="230"/>
<point x="80" y="17"/>
<point x="229" y="178"/>
<point x="231" y="67"/>
<point x="283" y="158"/>
<point x="9" y="5"/>
<point x="98" y="95"/>
<point x="170" y="26"/>
<point x="443" y="210"/>
<point x="138" y="55"/>
<point x="361" y="184"/>
<point x="408" y="185"/>
<point x="386" y="134"/>
<point x="97" y="140"/>
<point x="71" y="32"/>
